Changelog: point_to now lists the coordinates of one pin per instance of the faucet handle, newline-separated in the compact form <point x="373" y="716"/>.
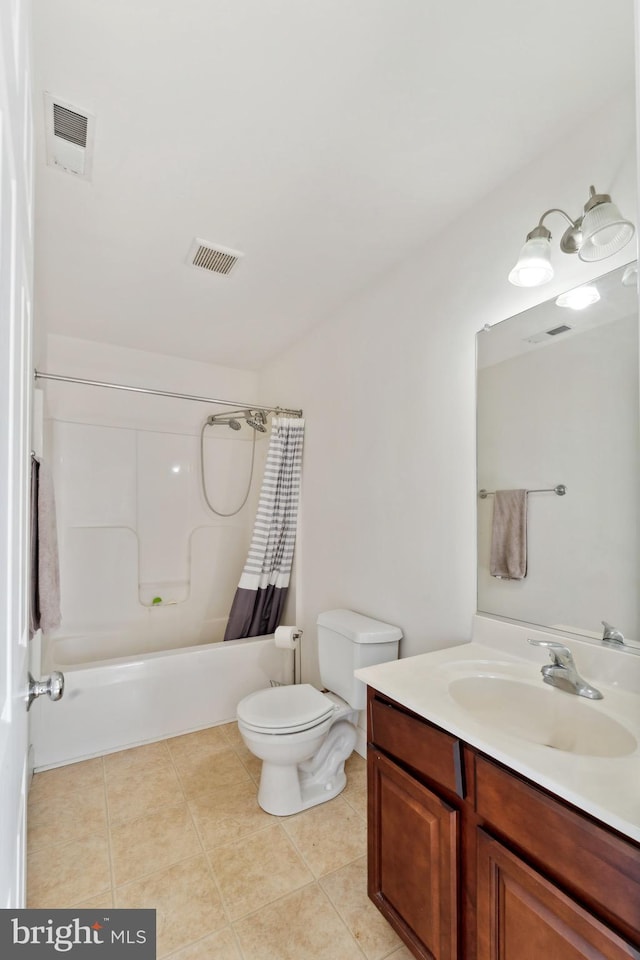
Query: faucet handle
<point x="611" y="634"/>
<point x="557" y="651"/>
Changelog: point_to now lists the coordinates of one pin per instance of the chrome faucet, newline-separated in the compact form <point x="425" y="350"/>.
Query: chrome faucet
<point x="562" y="671"/>
<point x="611" y="634"/>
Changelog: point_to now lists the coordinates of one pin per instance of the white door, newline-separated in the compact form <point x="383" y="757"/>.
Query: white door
<point x="16" y="286"/>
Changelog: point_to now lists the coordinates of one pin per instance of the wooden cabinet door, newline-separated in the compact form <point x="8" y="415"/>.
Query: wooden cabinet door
<point x="522" y="916"/>
<point x="413" y="851"/>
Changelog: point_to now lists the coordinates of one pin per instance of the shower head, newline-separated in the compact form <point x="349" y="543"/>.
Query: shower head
<point x="225" y="421"/>
<point x="257" y="420"/>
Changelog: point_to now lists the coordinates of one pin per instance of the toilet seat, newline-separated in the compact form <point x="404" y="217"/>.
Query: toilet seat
<point x="286" y="709"/>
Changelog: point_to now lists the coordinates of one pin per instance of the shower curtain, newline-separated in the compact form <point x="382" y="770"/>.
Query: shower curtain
<point x="259" y="599"/>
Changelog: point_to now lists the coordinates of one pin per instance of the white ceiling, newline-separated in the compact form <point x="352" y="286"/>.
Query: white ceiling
<point x="326" y="140"/>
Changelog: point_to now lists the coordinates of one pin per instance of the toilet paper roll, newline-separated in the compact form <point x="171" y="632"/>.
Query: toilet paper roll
<point x="287" y="637"/>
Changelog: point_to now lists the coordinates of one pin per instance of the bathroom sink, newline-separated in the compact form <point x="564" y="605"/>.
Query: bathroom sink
<point x="542" y="715"/>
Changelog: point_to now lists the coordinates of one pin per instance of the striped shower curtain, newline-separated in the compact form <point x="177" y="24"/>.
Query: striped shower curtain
<point x="259" y="600"/>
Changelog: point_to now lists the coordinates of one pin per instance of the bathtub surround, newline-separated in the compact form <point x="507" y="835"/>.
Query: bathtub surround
<point x="132" y="521"/>
<point x="260" y="598"/>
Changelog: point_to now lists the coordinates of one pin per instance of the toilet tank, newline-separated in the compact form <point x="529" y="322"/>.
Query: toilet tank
<point x="348" y="641"/>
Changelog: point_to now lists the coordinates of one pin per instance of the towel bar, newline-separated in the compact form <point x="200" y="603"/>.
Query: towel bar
<point x="560" y="490"/>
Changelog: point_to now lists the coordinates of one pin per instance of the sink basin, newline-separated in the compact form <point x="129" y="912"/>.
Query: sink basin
<point x="542" y="715"/>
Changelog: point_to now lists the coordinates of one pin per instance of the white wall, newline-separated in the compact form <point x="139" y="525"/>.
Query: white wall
<point x="132" y="520"/>
<point x="387" y="387"/>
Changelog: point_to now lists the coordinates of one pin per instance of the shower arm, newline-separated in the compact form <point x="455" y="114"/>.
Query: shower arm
<point x="285" y="411"/>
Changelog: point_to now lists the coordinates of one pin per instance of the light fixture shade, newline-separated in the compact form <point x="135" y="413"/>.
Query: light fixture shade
<point x="604" y="232"/>
<point x="534" y="264"/>
<point x="579" y="298"/>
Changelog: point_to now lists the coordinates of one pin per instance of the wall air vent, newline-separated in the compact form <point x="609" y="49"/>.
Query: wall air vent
<point x="69" y="137"/>
<point x="212" y="257"/>
<point x="549" y="334"/>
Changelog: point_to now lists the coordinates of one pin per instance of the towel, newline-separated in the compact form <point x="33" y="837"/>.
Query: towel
<point x="509" y="535"/>
<point x="34" y="589"/>
<point x="48" y="567"/>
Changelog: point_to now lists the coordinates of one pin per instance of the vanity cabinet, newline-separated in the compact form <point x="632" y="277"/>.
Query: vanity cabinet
<point x="470" y="861"/>
<point x="523" y="916"/>
<point x="414" y="872"/>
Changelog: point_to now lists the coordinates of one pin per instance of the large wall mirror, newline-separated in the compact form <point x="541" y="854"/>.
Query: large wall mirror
<point x="558" y="406"/>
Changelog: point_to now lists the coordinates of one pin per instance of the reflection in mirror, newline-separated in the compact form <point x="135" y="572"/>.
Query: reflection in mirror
<point x="558" y="404"/>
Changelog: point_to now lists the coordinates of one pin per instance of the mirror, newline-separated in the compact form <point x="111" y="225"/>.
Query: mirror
<point x="558" y="404"/>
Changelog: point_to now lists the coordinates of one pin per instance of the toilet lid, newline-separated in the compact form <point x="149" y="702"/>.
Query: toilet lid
<point x="286" y="709"/>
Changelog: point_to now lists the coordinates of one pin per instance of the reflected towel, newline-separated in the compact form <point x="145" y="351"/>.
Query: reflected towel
<point x="509" y="535"/>
<point x="48" y="568"/>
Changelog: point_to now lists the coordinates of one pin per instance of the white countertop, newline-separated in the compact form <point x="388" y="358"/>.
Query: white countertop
<point x="608" y="788"/>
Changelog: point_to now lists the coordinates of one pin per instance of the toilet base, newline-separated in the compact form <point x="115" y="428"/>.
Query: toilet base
<point x="285" y="790"/>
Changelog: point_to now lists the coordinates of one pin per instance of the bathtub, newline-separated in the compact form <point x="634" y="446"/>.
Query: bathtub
<point x="112" y="704"/>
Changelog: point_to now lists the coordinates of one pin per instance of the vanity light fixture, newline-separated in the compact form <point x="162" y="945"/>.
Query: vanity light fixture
<point x="599" y="233"/>
<point x="579" y="298"/>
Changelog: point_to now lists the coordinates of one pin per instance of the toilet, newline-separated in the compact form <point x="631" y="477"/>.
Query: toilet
<point x="302" y="736"/>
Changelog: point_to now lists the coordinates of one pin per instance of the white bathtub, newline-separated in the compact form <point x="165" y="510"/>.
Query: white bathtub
<point x="111" y="704"/>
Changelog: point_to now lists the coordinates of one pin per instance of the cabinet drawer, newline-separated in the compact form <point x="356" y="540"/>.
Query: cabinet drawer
<point x="417" y="744"/>
<point x="585" y="858"/>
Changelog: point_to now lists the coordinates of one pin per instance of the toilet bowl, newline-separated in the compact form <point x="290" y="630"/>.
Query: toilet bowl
<point x="303" y="736"/>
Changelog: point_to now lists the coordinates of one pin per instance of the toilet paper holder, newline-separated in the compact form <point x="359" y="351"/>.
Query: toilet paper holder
<point x="288" y="638"/>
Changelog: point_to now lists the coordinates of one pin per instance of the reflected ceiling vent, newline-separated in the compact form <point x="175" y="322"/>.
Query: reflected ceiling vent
<point x="69" y="137"/>
<point x="549" y="334"/>
<point x="212" y="257"/>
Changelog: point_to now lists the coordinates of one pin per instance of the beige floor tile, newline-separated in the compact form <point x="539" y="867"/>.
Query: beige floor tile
<point x="328" y="836"/>
<point x="187" y="902"/>
<point x="301" y="926"/>
<point x="58" y="817"/>
<point x="103" y="902"/>
<point x="201" y="742"/>
<point x="251" y="762"/>
<point x="152" y="842"/>
<point x="72" y="778"/>
<point x="136" y="757"/>
<point x="228" y="813"/>
<point x="134" y="789"/>
<point x="347" y="890"/>
<point x="78" y="871"/>
<point x="402" y="954"/>
<point x="217" y="946"/>
<point x="201" y="772"/>
<point x="256" y="870"/>
<point x="231" y="733"/>
<point x="355" y="792"/>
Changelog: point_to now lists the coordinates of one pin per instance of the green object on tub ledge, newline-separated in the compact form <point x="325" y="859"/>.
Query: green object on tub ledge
<point x="156" y="600"/>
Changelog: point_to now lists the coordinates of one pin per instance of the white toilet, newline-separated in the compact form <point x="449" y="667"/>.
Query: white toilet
<point x="302" y="736"/>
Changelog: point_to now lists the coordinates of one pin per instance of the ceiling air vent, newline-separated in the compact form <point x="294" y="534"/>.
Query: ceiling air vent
<point x="548" y="334"/>
<point x="212" y="257"/>
<point x="69" y="131"/>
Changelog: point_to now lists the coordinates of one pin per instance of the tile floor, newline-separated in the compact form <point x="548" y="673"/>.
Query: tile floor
<point x="175" y="826"/>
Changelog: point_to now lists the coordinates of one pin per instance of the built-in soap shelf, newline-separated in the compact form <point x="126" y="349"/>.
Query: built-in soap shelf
<point x="163" y="594"/>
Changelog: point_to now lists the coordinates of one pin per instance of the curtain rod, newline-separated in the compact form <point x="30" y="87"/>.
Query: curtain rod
<point x="38" y="375"/>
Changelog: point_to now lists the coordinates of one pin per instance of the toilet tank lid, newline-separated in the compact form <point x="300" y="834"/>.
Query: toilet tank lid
<point x="358" y="628"/>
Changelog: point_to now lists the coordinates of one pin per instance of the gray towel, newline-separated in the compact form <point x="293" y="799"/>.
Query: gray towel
<point x="48" y="568"/>
<point x="34" y="585"/>
<point x="509" y="535"/>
